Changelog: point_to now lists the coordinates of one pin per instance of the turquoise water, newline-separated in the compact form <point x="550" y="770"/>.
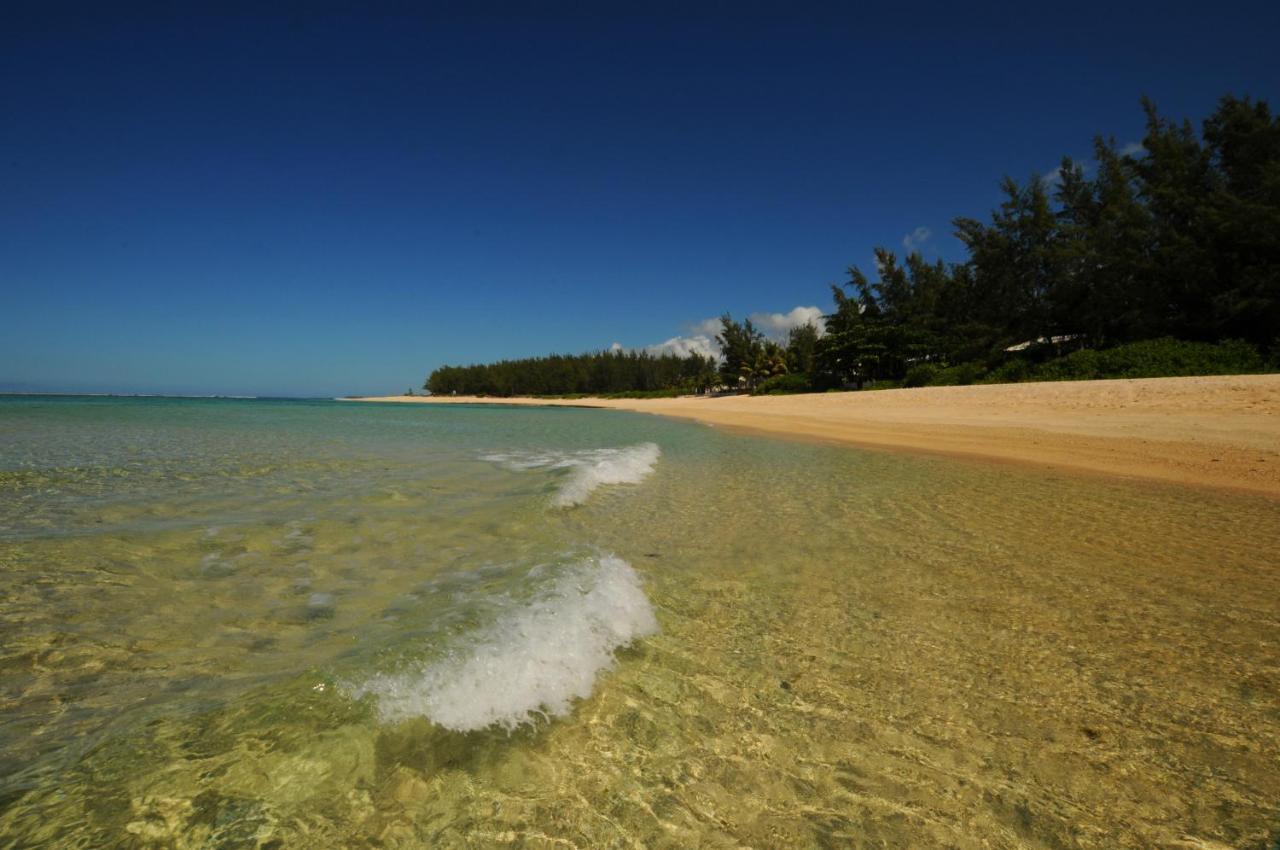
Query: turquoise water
<point x="316" y="624"/>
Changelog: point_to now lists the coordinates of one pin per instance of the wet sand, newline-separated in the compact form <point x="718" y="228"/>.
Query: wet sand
<point x="1221" y="432"/>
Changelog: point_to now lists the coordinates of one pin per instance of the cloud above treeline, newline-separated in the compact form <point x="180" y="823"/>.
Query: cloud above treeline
<point x="1052" y="178"/>
<point x="700" y="337"/>
<point x="683" y="346"/>
<point x="780" y="324"/>
<point x="916" y="239"/>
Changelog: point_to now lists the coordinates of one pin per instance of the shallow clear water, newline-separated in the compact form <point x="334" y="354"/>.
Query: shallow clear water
<point x="314" y="624"/>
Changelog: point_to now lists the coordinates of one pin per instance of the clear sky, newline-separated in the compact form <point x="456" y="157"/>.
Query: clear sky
<point x="340" y="198"/>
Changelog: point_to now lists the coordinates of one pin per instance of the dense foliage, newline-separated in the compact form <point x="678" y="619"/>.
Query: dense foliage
<point x="1176" y="242"/>
<point x="600" y="373"/>
<point x="1153" y="358"/>
<point x="1180" y="239"/>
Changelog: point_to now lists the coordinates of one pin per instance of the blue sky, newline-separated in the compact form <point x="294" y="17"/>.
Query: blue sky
<point x="339" y="198"/>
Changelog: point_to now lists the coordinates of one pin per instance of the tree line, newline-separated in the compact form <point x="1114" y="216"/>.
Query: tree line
<point x="596" y="373"/>
<point x="1177" y="240"/>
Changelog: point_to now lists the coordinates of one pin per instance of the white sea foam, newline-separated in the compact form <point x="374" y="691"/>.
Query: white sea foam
<point x="588" y="469"/>
<point x="535" y="659"/>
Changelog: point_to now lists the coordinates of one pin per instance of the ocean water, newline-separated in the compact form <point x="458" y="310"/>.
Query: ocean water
<point x="278" y="624"/>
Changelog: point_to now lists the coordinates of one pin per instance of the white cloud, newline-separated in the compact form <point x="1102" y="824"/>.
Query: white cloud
<point x="617" y="346"/>
<point x="683" y="346"/>
<point x="707" y="327"/>
<point x="700" y="337"/>
<point x="778" y="324"/>
<point x="1052" y="179"/>
<point x="916" y="239"/>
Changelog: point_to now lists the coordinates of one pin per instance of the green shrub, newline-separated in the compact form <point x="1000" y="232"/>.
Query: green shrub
<point x="1083" y="365"/>
<point x="961" y="374"/>
<point x="670" y="392"/>
<point x="783" y="384"/>
<point x="920" y="374"/>
<point x="1159" y="357"/>
<point x="1155" y="358"/>
<point x="1010" y="372"/>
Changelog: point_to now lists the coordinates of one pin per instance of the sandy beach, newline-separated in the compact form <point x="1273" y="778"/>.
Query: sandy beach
<point x="1210" y="431"/>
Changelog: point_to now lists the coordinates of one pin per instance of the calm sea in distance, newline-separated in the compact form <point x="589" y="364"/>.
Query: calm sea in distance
<point x="314" y="624"/>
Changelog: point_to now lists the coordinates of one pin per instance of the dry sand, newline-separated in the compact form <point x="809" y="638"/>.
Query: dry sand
<point x="1219" y="431"/>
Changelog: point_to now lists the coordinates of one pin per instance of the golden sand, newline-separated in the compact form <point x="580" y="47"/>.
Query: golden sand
<point x="1209" y="431"/>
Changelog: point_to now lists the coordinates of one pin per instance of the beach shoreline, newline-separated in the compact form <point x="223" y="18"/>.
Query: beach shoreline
<point x="1221" y="432"/>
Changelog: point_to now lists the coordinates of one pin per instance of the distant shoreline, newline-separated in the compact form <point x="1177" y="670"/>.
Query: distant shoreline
<point x="1221" y="432"/>
<point x="182" y="396"/>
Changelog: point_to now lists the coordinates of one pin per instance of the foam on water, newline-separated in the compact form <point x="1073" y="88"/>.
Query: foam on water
<point x="589" y="469"/>
<point x="535" y="659"/>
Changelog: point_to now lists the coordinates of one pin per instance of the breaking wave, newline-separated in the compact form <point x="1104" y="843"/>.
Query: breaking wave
<point x="534" y="660"/>
<point x="588" y="469"/>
